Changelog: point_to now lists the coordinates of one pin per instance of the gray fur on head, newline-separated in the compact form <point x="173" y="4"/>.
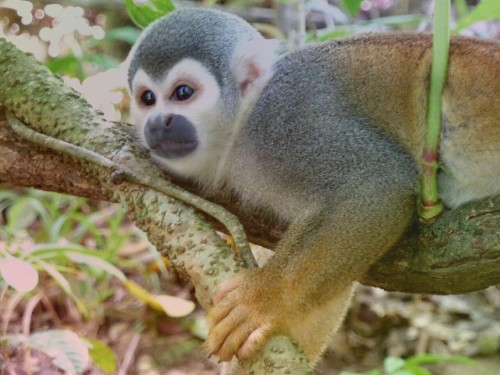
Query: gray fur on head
<point x="205" y="35"/>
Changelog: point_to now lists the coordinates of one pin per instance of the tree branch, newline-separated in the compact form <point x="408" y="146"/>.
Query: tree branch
<point x="459" y="253"/>
<point x="460" y="245"/>
<point x="34" y="95"/>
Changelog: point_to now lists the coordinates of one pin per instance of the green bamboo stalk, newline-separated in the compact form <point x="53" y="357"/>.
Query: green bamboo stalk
<point x="430" y="206"/>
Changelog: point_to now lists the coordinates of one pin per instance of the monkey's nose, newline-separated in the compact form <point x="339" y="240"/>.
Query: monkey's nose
<point x="168" y="122"/>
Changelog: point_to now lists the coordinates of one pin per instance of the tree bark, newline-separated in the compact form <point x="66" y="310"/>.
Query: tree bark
<point x="31" y="93"/>
<point x="458" y="253"/>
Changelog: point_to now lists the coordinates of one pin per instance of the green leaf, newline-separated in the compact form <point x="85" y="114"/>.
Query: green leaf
<point x="67" y="65"/>
<point x="461" y="7"/>
<point x="401" y="372"/>
<point x="392" y="364"/>
<point x="76" y="254"/>
<point x="148" y="11"/>
<point x="95" y="261"/>
<point x="352" y="6"/>
<point x="198" y="327"/>
<point x="416" y="370"/>
<point x="85" y="225"/>
<point x="431" y="358"/>
<point x="102" y="61"/>
<point x="67" y="350"/>
<point x="102" y="356"/>
<point x="7" y="198"/>
<point x="486" y="10"/>
<point x="125" y="34"/>
<point x="51" y="250"/>
<point x="24" y="212"/>
<point x="338" y="31"/>
<point x="63" y="284"/>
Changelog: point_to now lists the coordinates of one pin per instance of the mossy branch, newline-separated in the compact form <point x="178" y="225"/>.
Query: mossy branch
<point x="51" y="110"/>
<point x="119" y="172"/>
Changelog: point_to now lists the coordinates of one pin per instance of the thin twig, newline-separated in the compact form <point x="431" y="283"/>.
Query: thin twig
<point x="129" y="354"/>
<point x="229" y="220"/>
<point x="26" y="323"/>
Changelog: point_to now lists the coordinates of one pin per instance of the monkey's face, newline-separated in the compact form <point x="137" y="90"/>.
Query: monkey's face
<point x="178" y="115"/>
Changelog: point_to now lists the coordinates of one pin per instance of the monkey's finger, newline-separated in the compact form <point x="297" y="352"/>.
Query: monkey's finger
<point x="236" y="339"/>
<point x="219" y="313"/>
<point x="221" y="330"/>
<point x="225" y="304"/>
<point x="253" y="342"/>
<point x="225" y="288"/>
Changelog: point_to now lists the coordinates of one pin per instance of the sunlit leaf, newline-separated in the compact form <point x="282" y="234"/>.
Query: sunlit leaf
<point x="172" y="306"/>
<point x="145" y="12"/>
<point x="102" y="356"/>
<point x="18" y="273"/>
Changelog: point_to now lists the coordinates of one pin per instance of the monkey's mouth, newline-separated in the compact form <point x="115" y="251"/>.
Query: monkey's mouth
<point x="171" y="136"/>
<point x="174" y="148"/>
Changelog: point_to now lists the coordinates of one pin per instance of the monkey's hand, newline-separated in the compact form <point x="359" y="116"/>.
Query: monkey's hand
<point x="246" y="310"/>
<point x="303" y="291"/>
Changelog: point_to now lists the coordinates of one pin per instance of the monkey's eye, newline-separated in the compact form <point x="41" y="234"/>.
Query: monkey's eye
<point x="182" y="92"/>
<point x="148" y="98"/>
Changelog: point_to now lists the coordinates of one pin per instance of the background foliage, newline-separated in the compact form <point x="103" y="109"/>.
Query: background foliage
<point x="81" y="289"/>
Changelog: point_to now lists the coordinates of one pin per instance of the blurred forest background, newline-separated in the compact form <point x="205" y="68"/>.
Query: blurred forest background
<point x="82" y="290"/>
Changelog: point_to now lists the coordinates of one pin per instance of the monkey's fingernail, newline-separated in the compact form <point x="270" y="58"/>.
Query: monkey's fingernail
<point x="214" y="357"/>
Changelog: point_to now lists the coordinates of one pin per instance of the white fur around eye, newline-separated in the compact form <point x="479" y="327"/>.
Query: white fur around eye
<point x="206" y="89"/>
<point x="203" y="109"/>
<point x="140" y="83"/>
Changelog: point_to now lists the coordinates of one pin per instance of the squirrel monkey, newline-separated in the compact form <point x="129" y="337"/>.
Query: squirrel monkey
<point x="325" y="137"/>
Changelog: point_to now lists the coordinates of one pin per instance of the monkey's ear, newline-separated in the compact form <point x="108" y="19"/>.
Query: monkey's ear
<point x="253" y="64"/>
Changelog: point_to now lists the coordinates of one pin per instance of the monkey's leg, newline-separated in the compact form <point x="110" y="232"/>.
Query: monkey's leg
<point x="304" y="290"/>
<point x="315" y="331"/>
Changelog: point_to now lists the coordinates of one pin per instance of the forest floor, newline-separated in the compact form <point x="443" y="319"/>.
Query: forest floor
<point x="379" y="324"/>
<point x="147" y="342"/>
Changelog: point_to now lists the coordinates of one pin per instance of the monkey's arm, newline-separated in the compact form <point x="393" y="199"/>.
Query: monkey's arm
<point x="462" y="244"/>
<point x="305" y="288"/>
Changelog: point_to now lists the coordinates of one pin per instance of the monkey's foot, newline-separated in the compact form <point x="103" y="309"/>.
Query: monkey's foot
<point x="246" y="309"/>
